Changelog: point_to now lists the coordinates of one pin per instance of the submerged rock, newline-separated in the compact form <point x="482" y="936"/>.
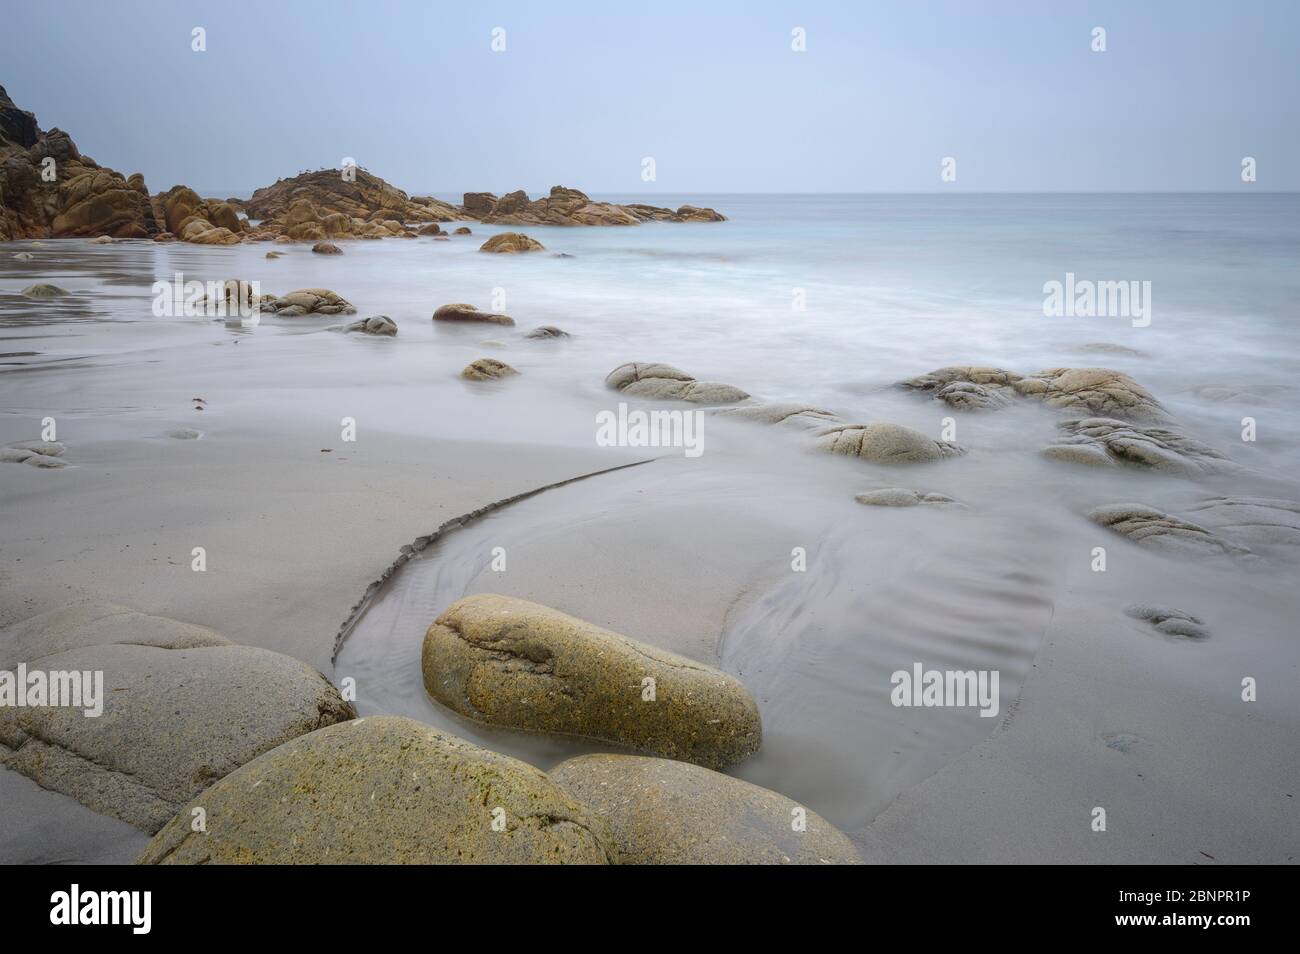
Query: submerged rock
<point x="45" y="454"/>
<point x="968" y="387"/>
<point x="511" y="243"/>
<point x="378" y="325"/>
<point x="385" y="790"/>
<point x="664" y="382"/>
<point x="179" y="711"/>
<point x="459" y="311"/>
<point x="1252" y="521"/>
<point x="307" y="301"/>
<point x="664" y="812"/>
<point x="511" y="663"/>
<point x="1170" y="622"/>
<point x="1101" y="441"/>
<point x="902" y="497"/>
<point x="1098" y="391"/>
<point x="44" y="291"/>
<point x="1094" y="391"/>
<point x="883" y="443"/>
<point x="487" y="369"/>
<point x="547" y="331"/>
<point x="1156" y="530"/>
<point x="799" y="415"/>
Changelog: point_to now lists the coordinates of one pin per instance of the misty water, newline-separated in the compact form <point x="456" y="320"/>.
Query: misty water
<point x="694" y="554"/>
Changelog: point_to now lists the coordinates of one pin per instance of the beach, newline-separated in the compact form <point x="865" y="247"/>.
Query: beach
<point x="753" y="556"/>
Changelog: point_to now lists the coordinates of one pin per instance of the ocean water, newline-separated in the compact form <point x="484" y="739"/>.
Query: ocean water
<point x="828" y="300"/>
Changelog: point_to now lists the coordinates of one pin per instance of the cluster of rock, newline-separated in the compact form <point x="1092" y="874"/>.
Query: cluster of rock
<point x="82" y="198"/>
<point x="565" y="206"/>
<point x="1095" y="391"/>
<point x="1124" y="424"/>
<point x="876" y="441"/>
<point x="85" y="199"/>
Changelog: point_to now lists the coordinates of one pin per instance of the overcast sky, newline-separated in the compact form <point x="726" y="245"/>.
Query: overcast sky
<point x="583" y="92"/>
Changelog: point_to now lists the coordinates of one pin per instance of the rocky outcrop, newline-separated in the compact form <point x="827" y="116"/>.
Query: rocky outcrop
<point x="1104" y="441"/>
<point x="1164" y="533"/>
<point x="564" y="206"/>
<point x="666" y="383"/>
<point x="883" y="443"/>
<point x="366" y="200"/>
<point x="663" y="812"/>
<point x="384" y="790"/>
<point x="181" y="708"/>
<point x="82" y="199"/>
<point x="459" y="311"/>
<point x="511" y="243"/>
<point x="487" y="369"/>
<point x="194" y="219"/>
<point x="511" y="663"/>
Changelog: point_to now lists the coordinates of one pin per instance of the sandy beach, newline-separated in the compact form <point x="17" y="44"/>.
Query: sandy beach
<point x="861" y="517"/>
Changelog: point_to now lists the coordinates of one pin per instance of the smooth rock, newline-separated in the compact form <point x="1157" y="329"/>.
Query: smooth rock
<point x="512" y="663"/>
<point x="664" y="382"/>
<point x="1156" y="530"/>
<point x="883" y="443"/>
<point x="44" y="291"/>
<point x="377" y="325"/>
<point x="173" y="722"/>
<point x="664" y="812"/>
<point x="459" y="311"/>
<point x="511" y="243"/>
<point x="384" y="790"/>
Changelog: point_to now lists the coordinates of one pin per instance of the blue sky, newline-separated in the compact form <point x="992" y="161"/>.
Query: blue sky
<point x="711" y="90"/>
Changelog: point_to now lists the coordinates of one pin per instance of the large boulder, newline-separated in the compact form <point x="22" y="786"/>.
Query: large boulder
<point x="384" y="790"/>
<point x="664" y="812"/>
<point x="512" y="663"/>
<point x="181" y="708"/>
<point x="510" y="243"/>
<point x="664" y="382"/>
<point x="883" y="443"/>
